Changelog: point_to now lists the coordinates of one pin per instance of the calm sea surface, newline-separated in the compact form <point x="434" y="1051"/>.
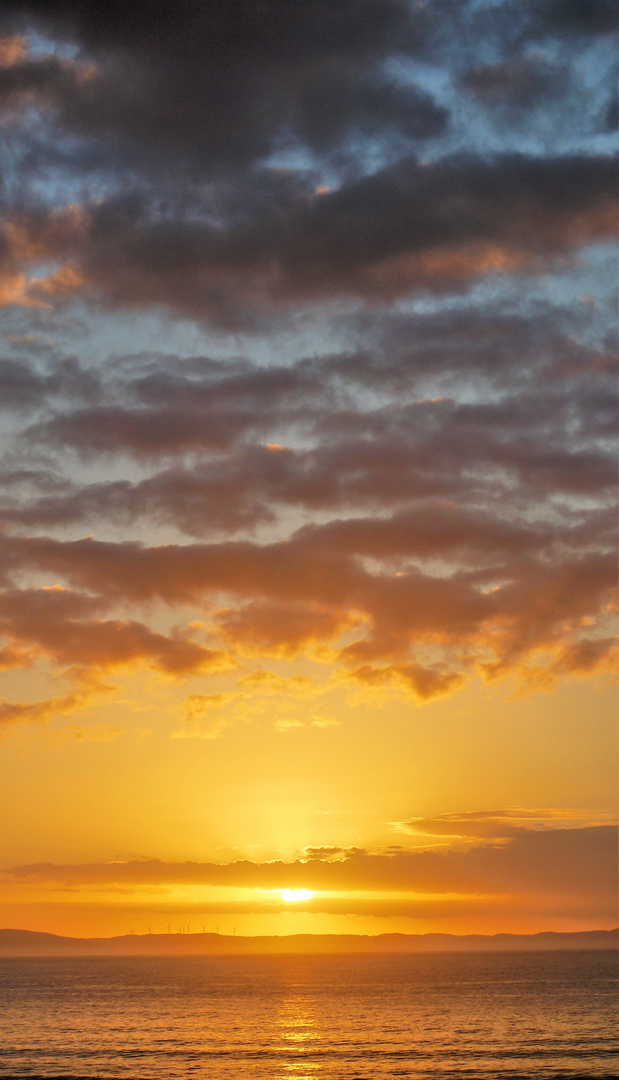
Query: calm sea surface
<point x="502" y="1015"/>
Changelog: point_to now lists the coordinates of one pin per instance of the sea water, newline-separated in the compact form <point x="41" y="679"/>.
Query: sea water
<point x="507" y="1015"/>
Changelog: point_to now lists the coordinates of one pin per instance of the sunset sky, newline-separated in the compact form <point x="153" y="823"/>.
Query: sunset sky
<point x="308" y="469"/>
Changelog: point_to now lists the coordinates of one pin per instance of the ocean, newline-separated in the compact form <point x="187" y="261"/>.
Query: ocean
<point x="473" y="1015"/>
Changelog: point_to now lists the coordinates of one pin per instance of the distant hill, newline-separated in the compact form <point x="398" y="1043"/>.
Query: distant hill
<point x="31" y="943"/>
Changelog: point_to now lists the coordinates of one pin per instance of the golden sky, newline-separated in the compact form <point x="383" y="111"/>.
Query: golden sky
<point x="307" y="468"/>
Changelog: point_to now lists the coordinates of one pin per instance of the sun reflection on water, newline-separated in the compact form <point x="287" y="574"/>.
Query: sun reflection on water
<point x="300" y="1038"/>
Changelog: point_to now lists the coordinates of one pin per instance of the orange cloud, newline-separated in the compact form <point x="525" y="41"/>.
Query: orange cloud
<point x="290" y="596"/>
<point x="272" y="629"/>
<point x="425" y="683"/>
<point x="12" y="50"/>
<point x="558" y="870"/>
<point x="13" y="712"/>
<point x="63" y="282"/>
<point x="51" y="623"/>
<point x="267" y="682"/>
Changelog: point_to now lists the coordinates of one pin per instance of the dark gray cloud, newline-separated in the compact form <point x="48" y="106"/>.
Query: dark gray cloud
<point x="611" y="116"/>
<point x="408" y="227"/>
<point x="233" y="29"/>
<point x="516" y="82"/>
<point x="220" y="85"/>
<point x="578" y="17"/>
<point x="233" y="160"/>
<point x="24" y="388"/>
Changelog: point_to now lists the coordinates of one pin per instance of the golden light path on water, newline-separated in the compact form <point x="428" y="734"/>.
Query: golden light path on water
<point x="299" y="1034"/>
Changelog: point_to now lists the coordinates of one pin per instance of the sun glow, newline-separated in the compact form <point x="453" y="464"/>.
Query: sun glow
<point x="292" y="895"/>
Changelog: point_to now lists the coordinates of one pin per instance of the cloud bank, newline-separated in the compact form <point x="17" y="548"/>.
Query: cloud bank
<point x="422" y="495"/>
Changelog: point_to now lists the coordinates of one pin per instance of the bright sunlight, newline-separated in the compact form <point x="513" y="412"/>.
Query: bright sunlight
<point x="291" y="895"/>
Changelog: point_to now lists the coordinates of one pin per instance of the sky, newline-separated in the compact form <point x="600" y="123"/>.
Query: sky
<point x="308" y="574"/>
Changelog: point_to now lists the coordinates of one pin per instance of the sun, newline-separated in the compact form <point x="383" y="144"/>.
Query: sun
<point x="291" y="895"/>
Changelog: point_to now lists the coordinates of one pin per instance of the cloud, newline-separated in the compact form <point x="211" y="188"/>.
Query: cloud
<point x="279" y="629"/>
<point x="93" y="733"/>
<point x="516" y="83"/>
<point x="422" y="489"/>
<point x="577" y="17"/>
<point x="234" y="161"/>
<point x="46" y="81"/>
<point x="12" y="50"/>
<point x="408" y="227"/>
<point x="215" y="88"/>
<point x="227" y="30"/>
<point x="206" y="716"/>
<point x="268" y="682"/>
<point x="425" y="683"/>
<point x="574" y="869"/>
<point x="20" y="712"/>
<point x="39" y="236"/>
<point x="219" y="85"/>
<point x="588" y="654"/>
<point x="476" y="826"/>
<point x="502" y="612"/>
<point x="54" y="623"/>
<point x="203" y="716"/>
